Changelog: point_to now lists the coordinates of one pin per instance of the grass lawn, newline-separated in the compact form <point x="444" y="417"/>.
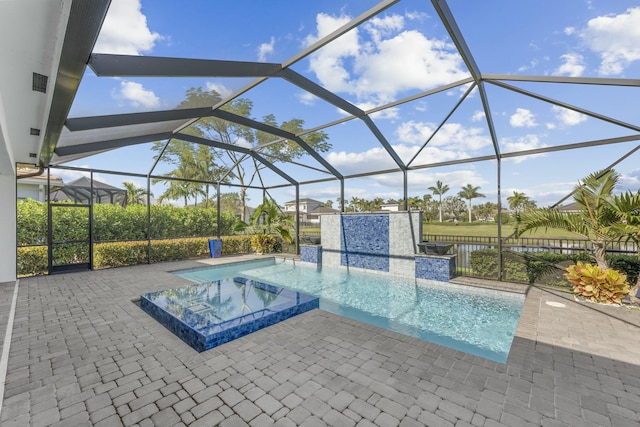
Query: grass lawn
<point x="490" y="229"/>
<point x="473" y="229"/>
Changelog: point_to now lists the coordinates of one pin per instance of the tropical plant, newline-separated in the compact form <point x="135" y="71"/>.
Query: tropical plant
<point x="517" y="202"/>
<point x="593" y="220"/>
<point x="468" y="193"/>
<point x="439" y="190"/>
<point x="269" y="224"/>
<point x="596" y="284"/>
<point x="135" y="195"/>
<point x="626" y="207"/>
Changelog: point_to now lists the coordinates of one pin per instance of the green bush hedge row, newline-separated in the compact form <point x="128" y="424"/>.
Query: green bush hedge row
<point x="538" y="267"/>
<point x="114" y="222"/>
<point x="32" y="260"/>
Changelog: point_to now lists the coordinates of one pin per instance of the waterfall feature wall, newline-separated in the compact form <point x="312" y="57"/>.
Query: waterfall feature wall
<point x="383" y="242"/>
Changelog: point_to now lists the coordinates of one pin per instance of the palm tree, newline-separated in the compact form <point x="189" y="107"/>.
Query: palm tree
<point x="627" y="207"/>
<point x="181" y="189"/>
<point x="470" y="192"/>
<point x="595" y="219"/>
<point x="517" y="202"/>
<point x="438" y="190"/>
<point x="135" y="195"/>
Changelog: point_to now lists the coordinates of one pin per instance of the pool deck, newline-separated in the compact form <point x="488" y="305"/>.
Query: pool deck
<point x="82" y="353"/>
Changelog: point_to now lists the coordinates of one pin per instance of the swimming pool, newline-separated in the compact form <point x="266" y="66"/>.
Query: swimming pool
<point x="477" y="321"/>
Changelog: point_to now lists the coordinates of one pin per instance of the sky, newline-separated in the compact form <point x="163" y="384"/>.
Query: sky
<point x="401" y="52"/>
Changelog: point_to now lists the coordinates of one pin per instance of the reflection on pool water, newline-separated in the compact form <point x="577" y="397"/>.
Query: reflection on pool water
<point x="477" y="321"/>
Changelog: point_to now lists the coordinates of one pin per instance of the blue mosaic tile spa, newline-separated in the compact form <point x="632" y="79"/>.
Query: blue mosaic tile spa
<point x="210" y="314"/>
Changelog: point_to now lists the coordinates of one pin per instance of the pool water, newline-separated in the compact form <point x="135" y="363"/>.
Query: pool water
<point x="477" y="321"/>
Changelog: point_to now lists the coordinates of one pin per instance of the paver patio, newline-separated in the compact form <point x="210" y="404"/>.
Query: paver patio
<point x="82" y="353"/>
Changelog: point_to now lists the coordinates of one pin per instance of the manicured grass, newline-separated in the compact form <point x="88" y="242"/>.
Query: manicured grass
<point x="490" y="229"/>
<point x="473" y="229"/>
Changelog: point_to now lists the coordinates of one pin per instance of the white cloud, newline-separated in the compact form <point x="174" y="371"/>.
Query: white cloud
<point x="522" y="118"/>
<point x="615" y="39"/>
<point x="137" y="95"/>
<point x="220" y="88"/>
<point x="529" y="66"/>
<point x="374" y="70"/>
<point x="306" y="98"/>
<point x="451" y="136"/>
<point x="568" y="117"/>
<point x="527" y="142"/>
<point x="70" y="175"/>
<point x="478" y="116"/>
<point x="125" y="30"/>
<point x="350" y="162"/>
<point x="572" y="66"/>
<point x="453" y="141"/>
<point x="265" y="49"/>
<point x="569" y="31"/>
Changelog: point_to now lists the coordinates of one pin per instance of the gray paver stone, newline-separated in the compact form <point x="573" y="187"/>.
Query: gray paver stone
<point x="112" y="421"/>
<point x="184" y="405"/>
<point x="102" y="413"/>
<point x="336" y="419"/>
<point x="231" y="397"/>
<point x="165" y="418"/>
<point x="316" y="406"/>
<point x="140" y="414"/>
<point x="262" y="420"/>
<point x="341" y="400"/>
<point x="233" y="421"/>
<point x="298" y="415"/>
<point x="207" y="393"/>
<point x="207" y="406"/>
<point x="247" y="410"/>
<point x="268" y="404"/>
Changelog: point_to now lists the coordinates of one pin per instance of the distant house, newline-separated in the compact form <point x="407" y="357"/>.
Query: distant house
<point x="314" y="215"/>
<point x="310" y="209"/>
<point x="571" y="208"/>
<point x="79" y="191"/>
<point x="391" y="207"/>
<point x="34" y="187"/>
<point x="306" y="205"/>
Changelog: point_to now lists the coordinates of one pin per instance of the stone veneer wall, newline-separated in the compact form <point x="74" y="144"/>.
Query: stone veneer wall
<point x="377" y="242"/>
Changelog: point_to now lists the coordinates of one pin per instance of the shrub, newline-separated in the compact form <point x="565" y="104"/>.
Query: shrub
<point x="117" y="254"/>
<point x="589" y="281"/>
<point x="117" y="223"/>
<point x="542" y="267"/>
<point x="32" y="260"/>
<point x="484" y="263"/>
<point x="263" y="243"/>
<point x="505" y="218"/>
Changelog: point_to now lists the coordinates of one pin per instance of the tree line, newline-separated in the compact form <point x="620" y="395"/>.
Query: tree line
<point x="449" y="208"/>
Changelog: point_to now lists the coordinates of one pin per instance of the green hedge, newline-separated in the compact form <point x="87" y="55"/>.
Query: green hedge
<point x="539" y="267"/>
<point x="117" y="223"/>
<point x="32" y="260"/>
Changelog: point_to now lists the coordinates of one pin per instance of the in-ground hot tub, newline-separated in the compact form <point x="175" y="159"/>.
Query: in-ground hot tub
<point x="213" y="313"/>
